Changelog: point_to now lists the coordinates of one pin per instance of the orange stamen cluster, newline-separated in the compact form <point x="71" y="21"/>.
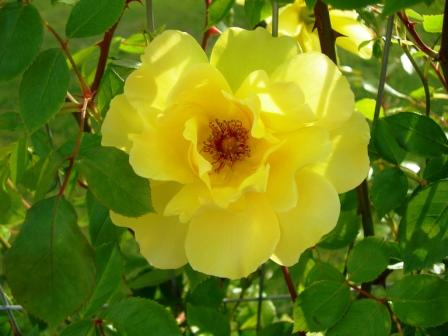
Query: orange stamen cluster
<point x="227" y="143"/>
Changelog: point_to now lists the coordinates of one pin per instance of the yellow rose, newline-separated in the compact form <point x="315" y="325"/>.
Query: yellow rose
<point x="245" y="153"/>
<point x="297" y="20"/>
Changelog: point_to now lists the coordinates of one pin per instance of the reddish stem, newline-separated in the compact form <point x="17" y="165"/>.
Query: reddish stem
<point x="410" y="26"/>
<point x="210" y="31"/>
<point x="289" y="283"/>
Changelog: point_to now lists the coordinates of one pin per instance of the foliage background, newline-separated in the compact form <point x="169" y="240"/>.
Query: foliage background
<point x="350" y="284"/>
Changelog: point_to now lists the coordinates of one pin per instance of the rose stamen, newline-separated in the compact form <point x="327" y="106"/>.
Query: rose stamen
<point x="227" y="143"/>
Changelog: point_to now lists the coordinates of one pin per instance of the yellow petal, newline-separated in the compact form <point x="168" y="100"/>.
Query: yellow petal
<point x="232" y="243"/>
<point x="326" y="90"/>
<point x="348" y="164"/>
<point x="239" y="52"/>
<point x="316" y="214"/>
<point x="162" y="193"/>
<point x="161" y="153"/>
<point x="304" y="147"/>
<point x="309" y="39"/>
<point x="354" y="33"/>
<point x="164" y="61"/>
<point x="161" y="239"/>
<point x="289" y="20"/>
<point x="120" y="121"/>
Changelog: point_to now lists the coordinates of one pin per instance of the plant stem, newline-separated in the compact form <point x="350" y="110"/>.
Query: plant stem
<point x="150" y="16"/>
<point x="12" y="321"/>
<point x="383" y="73"/>
<point x="326" y="34"/>
<point x="443" y="53"/>
<point x="289" y="283"/>
<point x="274" y="18"/>
<point x="260" y="298"/>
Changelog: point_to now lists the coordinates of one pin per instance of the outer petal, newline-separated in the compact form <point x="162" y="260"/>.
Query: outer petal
<point x="327" y="91"/>
<point x="161" y="238"/>
<point x="238" y="52"/>
<point x="304" y="147"/>
<point x="348" y="163"/>
<point x="316" y="214"/>
<point x="164" y="61"/>
<point x="354" y="33"/>
<point x="232" y="243"/>
<point x="121" y="120"/>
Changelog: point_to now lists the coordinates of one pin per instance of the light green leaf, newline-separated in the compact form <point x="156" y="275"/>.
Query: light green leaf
<point x="43" y="88"/>
<point x="137" y="317"/>
<point x="50" y="266"/>
<point x="389" y="190"/>
<point x="420" y="300"/>
<point x="424" y="228"/>
<point x="433" y="23"/>
<point x="367" y="260"/>
<point x="113" y="182"/>
<point x="90" y="18"/>
<point x="364" y="318"/>
<point x="366" y="106"/>
<point x="392" y="6"/>
<point x="21" y="35"/>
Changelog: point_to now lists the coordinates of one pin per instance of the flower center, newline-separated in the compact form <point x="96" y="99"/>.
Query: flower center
<point x="227" y="143"/>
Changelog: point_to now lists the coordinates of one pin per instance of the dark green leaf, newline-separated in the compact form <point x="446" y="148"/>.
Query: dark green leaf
<point x="109" y="267"/>
<point x="21" y="35"/>
<point x="350" y="4"/>
<point x="436" y="168"/>
<point x="113" y="182"/>
<point x="389" y="190"/>
<point x="153" y="278"/>
<point x="409" y="132"/>
<point x="218" y="11"/>
<point x="43" y="88"/>
<point x="50" y="266"/>
<point x="368" y="259"/>
<point x="208" y="320"/>
<point x="19" y="160"/>
<point x="364" y="318"/>
<point x="101" y="229"/>
<point x="137" y="317"/>
<point x="111" y="85"/>
<point x="277" y="329"/>
<point x="90" y="18"/>
<point x="209" y="292"/>
<point x="80" y="328"/>
<point x="420" y="300"/>
<point x="392" y="6"/>
<point x="257" y="10"/>
<point x="344" y="233"/>
<point x="323" y="271"/>
<point x="321" y="305"/>
<point x="423" y="231"/>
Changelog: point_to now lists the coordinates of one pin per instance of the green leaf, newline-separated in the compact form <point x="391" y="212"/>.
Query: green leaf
<point x="101" y="229"/>
<point x="350" y="4"/>
<point x="90" y="18"/>
<point x="389" y="190"/>
<point x="109" y="268"/>
<point x="436" y="168"/>
<point x="79" y="328"/>
<point x="218" y="11"/>
<point x="364" y="318"/>
<point x="323" y="271"/>
<point x="423" y="233"/>
<point x="433" y="23"/>
<point x="50" y="266"/>
<point x="208" y="320"/>
<point x="113" y="182"/>
<point x="344" y="233"/>
<point x="153" y="278"/>
<point x="111" y="85"/>
<point x="368" y="259"/>
<point x="134" y="44"/>
<point x="404" y="132"/>
<point x="137" y="317"/>
<point x="420" y="300"/>
<point x="321" y="305"/>
<point x="43" y="88"/>
<point x="366" y="106"/>
<point x="209" y="292"/>
<point x="19" y="160"/>
<point x="21" y="35"/>
<point x="277" y="329"/>
<point x="392" y="6"/>
<point x="257" y="10"/>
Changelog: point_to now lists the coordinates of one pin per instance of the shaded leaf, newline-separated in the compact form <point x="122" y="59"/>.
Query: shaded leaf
<point x="389" y="190"/>
<point x="218" y="11"/>
<point x="59" y="266"/>
<point x="21" y="35"/>
<point x="43" y="88"/>
<point x="344" y="233"/>
<point x="208" y="320"/>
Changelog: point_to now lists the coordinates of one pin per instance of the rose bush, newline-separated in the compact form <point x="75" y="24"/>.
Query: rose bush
<point x="245" y="153"/>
